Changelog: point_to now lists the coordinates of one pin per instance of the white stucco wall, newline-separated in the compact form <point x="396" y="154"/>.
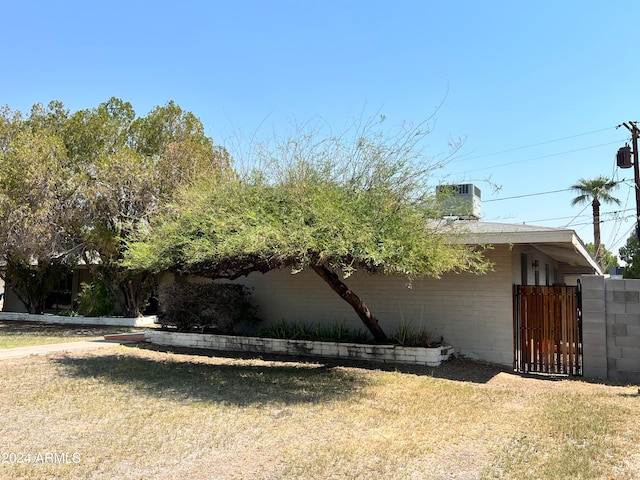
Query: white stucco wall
<point x="473" y="313"/>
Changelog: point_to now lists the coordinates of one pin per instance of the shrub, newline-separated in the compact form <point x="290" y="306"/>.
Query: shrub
<point x="95" y="300"/>
<point x="336" y="332"/>
<point x="209" y="307"/>
<point x="407" y="336"/>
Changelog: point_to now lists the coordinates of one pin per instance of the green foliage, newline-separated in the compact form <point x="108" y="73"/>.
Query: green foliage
<point x="339" y="332"/>
<point x="39" y="204"/>
<point x="96" y="300"/>
<point x="334" y="204"/>
<point x="608" y="258"/>
<point x="630" y="254"/>
<point x="362" y="205"/>
<point x="78" y="185"/>
<point x="407" y="336"/>
<point x="205" y="307"/>
<point x="335" y="332"/>
<point x="595" y="191"/>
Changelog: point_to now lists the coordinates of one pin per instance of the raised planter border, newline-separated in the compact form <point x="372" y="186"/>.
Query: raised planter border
<point x="431" y="357"/>
<point x="80" y="320"/>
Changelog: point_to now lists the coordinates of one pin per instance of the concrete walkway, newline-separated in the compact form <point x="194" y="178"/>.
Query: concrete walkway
<point x="57" y="348"/>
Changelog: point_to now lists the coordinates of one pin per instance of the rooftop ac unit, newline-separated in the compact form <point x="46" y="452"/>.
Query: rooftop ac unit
<point x="462" y="201"/>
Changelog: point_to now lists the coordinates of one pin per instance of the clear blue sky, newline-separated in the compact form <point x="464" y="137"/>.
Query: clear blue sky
<point x="559" y="75"/>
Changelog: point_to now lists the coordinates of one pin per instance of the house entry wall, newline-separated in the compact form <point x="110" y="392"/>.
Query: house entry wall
<point x="547" y="329"/>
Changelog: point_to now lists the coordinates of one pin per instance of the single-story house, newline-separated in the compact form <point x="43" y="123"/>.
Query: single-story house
<point x="473" y="313"/>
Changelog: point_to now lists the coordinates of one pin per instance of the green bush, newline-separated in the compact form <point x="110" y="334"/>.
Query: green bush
<point x="407" y="336"/>
<point x="336" y="332"/>
<point x="208" y="307"/>
<point x="95" y="300"/>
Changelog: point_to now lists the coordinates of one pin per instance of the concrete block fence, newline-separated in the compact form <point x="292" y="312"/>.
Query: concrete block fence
<point x="611" y="328"/>
<point x="431" y="357"/>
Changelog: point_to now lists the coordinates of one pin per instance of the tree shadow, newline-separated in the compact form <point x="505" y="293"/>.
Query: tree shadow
<point x="455" y="369"/>
<point x="238" y="384"/>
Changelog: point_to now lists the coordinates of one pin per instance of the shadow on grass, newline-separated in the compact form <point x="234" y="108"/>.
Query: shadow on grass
<point x="20" y="328"/>
<point x="455" y="369"/>
<point x="237" y="384"/>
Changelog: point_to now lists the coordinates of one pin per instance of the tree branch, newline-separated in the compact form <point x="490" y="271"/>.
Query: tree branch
<point x="352" y="299"/>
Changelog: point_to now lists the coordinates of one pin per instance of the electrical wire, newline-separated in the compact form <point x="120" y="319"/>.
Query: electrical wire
<point x="614" y="237"/>
<point x="534" y="145"/>
<point x="624" y="180"/>
<point x="525" y="195"/>
<point x="604" y="221"/>
<point x="539" y="158"/>
<point x="604" y="214"/>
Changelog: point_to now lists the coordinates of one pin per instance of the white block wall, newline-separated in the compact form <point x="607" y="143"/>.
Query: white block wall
<point x="80" y="320"/>
<point x="431" y="357"/>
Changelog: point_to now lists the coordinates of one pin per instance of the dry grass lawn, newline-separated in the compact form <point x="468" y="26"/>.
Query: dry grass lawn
<point x="138" y="413"/>
<point x="22" y="334"/>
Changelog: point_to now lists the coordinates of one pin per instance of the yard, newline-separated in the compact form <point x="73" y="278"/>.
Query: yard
<point x="22" y="334"/>
<point x="140" y="413"/>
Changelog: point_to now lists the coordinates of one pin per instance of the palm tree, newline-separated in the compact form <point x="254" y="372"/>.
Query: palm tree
<point x="596" y="191"/>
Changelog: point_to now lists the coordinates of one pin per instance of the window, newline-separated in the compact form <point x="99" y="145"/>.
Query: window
<point x="523" y="268"/>
<point x="547" y="275"/>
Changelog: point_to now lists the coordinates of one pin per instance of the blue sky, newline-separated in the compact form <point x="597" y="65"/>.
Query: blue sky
<point x="536" y="88"/>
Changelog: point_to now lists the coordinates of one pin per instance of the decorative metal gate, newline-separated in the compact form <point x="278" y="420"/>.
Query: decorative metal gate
<point x="547" y="329"/>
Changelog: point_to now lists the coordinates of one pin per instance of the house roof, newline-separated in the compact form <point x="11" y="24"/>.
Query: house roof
<point x="559" y="243"/>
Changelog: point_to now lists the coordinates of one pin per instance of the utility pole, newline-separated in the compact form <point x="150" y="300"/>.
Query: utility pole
<point x="635" y="133"/>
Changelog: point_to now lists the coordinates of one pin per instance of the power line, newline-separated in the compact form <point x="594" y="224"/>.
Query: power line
<point x="604" y="214"/>
<point x="534" y="145"/>
<point x="527" y="195"/>
<point x="613" y="238"/>
<point x="604" y="221"/>
<point x="541" y="157"/>
<point x="589" y="216"/>
<point x="538" y="193"/>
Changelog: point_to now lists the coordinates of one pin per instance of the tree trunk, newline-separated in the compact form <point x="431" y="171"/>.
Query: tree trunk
<point x="352" y="299"/>
<point x="596" y="231"/>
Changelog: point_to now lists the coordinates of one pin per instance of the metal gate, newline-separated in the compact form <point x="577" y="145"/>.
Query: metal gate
<point x="547" y="333"/>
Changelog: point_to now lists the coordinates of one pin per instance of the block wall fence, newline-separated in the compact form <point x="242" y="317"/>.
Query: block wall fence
<point x="611" y="328"/>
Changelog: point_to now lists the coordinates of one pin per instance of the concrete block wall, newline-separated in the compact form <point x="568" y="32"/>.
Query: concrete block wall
<point x="431" y="357"/>
<point x="80" y="320"/>
<point x="611" y="328"/>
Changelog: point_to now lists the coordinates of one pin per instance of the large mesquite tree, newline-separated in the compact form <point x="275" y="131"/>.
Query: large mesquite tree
<point x="333" y="205"/>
